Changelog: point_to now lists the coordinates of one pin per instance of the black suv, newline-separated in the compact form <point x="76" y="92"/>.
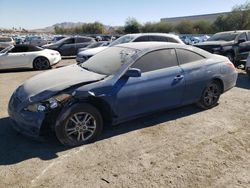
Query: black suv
<point x="69" y="46"/>
<point x="233" y="44"/>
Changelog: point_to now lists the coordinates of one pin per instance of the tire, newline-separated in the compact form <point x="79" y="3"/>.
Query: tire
<point x="210" y="96"/>
<point x="41" y="63"/>
<point x="78" y="125"/>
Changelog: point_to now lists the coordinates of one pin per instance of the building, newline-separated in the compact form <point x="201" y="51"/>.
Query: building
<point x="204" y="17"/>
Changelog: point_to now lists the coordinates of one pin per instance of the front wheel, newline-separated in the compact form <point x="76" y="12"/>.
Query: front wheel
<point x="79" y="125"/>
<point x="41" y="63"/>
<point x="210" y="95"/>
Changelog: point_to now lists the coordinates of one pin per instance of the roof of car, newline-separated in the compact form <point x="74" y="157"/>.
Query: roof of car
<point x="236" y="31"/>
<point x="150" y="46"/>
<point x="160" y="34"/>
<point x="146" y="45"/>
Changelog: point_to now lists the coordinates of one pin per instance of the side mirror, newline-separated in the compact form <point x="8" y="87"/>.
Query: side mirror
<point x="241" y="40"/>
<point x="133" y="72"/>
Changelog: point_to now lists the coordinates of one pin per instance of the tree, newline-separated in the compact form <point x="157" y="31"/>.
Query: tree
<point x="202" y="27"/>
<point x="238" y="19"/>
<point x="185" y="27"/>
<point x="132" y="26"/>
<point x="161" y="27"/>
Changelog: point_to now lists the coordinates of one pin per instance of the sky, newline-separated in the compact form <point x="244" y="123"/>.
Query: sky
<point x="34" y="14"/>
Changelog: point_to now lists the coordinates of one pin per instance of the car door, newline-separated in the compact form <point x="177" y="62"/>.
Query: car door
<point x="160" y="86"/>
<point x="68" y="48"/>
<point x="82" y="42"/>
<point x="244" y="46"/>
<point x="15" y="58"/>
<point x="194" y="72"/>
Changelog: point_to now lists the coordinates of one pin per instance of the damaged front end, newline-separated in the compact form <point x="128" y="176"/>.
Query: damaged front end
<point x="36" y="116"/>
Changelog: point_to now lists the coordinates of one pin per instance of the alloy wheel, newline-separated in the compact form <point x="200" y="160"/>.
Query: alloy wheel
<point x="80" y="126"/>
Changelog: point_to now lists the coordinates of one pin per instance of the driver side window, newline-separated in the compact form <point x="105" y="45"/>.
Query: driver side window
<point x="69" y="41"/>
<point x="19" y="49"/>
<point x="243" y="36"/>
<point x="156" y="60"/>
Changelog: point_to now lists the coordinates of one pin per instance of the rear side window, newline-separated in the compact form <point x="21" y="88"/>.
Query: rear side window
<point x="158" y="38"/>
<point x="142" y="39"/>
<point x="172" y="40"/>
<point x="156" y="60"/>
<point x="186" y="56"/>
<point x="82" y="40"/>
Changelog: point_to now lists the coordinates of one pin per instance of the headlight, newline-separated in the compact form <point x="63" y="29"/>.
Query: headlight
<point x="51" y="103"/>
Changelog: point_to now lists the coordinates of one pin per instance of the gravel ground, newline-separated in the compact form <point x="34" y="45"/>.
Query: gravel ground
<point x="185" y="147"/>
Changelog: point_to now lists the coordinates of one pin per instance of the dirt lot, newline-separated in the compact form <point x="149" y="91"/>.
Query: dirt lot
<point x="185" y="147"/>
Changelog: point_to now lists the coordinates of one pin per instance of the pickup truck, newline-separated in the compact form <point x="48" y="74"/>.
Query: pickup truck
<point x="233" y="44"/>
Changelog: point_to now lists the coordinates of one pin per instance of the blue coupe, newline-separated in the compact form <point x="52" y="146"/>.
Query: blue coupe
<point x="121" y="83"/>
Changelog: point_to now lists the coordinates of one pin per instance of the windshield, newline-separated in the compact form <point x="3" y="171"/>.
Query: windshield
<point x="223" y="37"/>
<point x="123" y="39"/>
<point x="7" y="49"/>
<point x="109" y="61"/>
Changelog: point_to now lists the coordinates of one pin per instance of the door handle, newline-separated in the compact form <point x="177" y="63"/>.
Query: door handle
<point x="179" y="77"/>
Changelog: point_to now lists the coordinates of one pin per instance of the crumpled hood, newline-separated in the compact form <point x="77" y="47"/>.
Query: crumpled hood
<point x="215" y="43"/>
<point x="47" y="84"/>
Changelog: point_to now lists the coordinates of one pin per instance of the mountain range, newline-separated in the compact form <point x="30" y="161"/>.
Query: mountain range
<point x="64" y="25"/>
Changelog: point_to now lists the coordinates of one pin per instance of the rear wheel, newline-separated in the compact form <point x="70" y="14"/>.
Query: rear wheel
<point x="210" y="95"/>
<point x="41" y="63"/>
<point x="79" y="125"/>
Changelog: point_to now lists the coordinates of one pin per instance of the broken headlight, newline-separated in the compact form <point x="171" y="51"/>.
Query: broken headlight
<point x="51" y="103"/>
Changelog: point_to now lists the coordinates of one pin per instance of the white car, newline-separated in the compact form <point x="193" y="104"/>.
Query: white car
<point x="139" y="37"/>
<point x="248" y="65"/>
<point x="28" y="56"/>
<point x="6" y="42"/>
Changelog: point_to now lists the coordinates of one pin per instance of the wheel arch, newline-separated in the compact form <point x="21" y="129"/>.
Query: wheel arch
<point x="220" y="82"/>
<point x="103" y="106"/>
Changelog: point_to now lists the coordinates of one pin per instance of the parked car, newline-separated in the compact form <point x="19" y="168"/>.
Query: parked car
<point x="57" y="38"/>
<point x="38" y="41"/>
<point x="118" y="84"/>
<point x="94" y="45"/>
<point x="70" y="45"/>
<point x="5" y="42"/>
<point x="139" y="37"/>
<point x="248" y="66"/>
<point x="233" y="44"/>
<point x="28" y="56"/>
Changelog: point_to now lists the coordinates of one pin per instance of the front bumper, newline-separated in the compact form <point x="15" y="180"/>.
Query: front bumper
<point x="27" y="123"/>
<point x="55" y="60"/>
